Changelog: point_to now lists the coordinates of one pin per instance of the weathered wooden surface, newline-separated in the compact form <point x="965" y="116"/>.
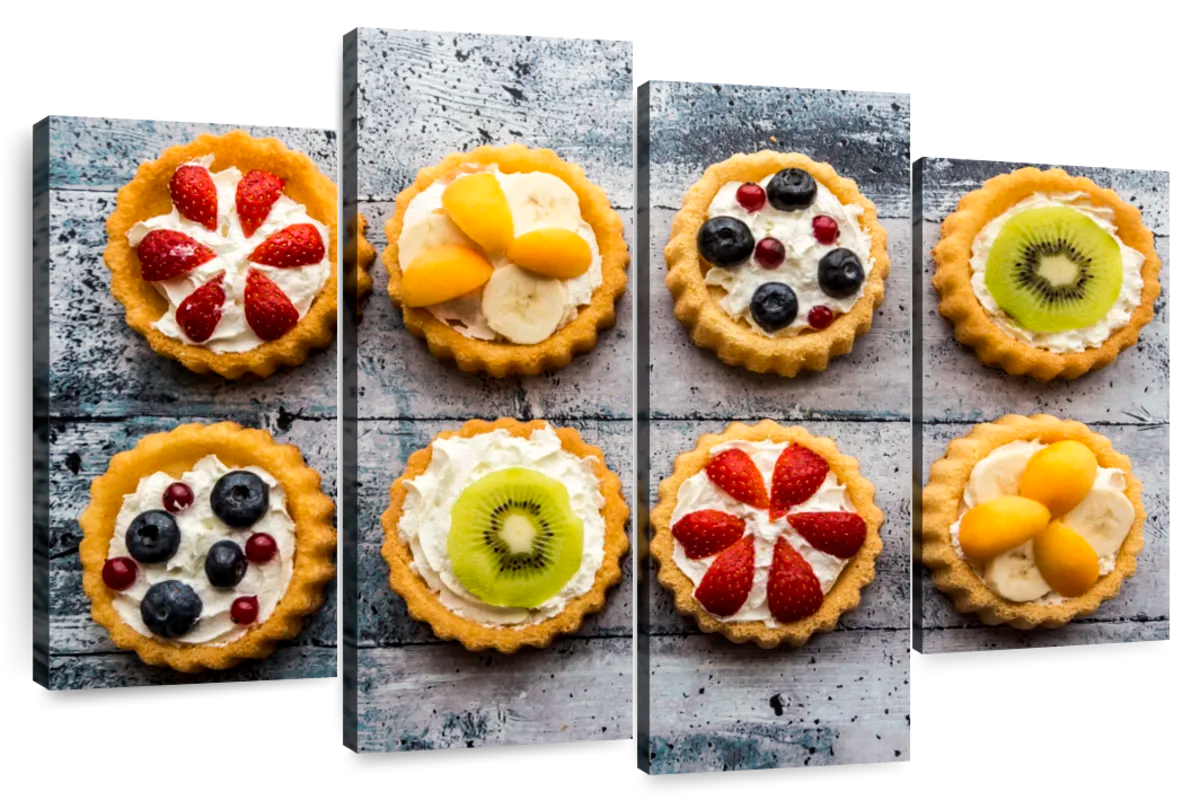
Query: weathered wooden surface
<point x="82" y="654"/>
<point x="420" y="97"/>
<point x="99" y="366"/>
<point x="1133" y="389"/>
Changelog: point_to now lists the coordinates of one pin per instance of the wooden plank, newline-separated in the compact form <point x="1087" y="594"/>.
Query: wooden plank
<point x="842" y="699"/>
<point x="1140" y="612"/>
<point x="423" y="95"/>
<point x="107" y="670"/>
<point x="441" y="695"/>
<point x="863" y="134"/>
<point x="597" y="384"/>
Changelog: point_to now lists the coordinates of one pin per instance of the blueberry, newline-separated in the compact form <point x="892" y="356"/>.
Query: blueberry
<point x="225" y="564"/>
<point x="152" y="537"/>
<point x="791" y="190"/>
<point x="773" y="306"/>
<point x="840" y="273"/>
<point x="170" y="609"/>
<point x="725" y="241"/>
<point x="239" y="499"/>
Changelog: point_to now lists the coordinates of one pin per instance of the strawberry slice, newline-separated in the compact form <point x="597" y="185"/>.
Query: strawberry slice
<point x="799" y="472"/>
<point x="168" y="254"/>
<point x="200" y="311"/>
<point x="839" y="533"/>
<point x="703" y="533"/>
<point x="793" y="591"/>
<point x="726" y="584"/>
<point x="735" y="472"/>
<point x="268" y="311"/>
<point x="295" y="246"/>
<point x="257" y="192"/>
<point x="195" y="195"/>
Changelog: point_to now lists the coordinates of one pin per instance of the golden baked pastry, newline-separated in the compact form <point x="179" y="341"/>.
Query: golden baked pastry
<point x="206" y="545"/>
<point x="1031" y="521"/>
<point x="366" y="254"/>
<point x="776" y="262"/>
<point x="758" y="489"/>
<point x="1076" y="284"/>
<point x="486" y="544"/>
<point x="507" y="259"/>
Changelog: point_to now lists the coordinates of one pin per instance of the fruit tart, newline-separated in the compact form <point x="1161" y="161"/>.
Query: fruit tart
<point x="365" y="255"/>
<point x="222" y="252"/>
<point x="206" y="545"/>
<point x="1046" y="274"/>
<point x="776" y="262"/>
<point x="507" y="259"/>
<point x="1031" y="521"/>
<point x="503" y="534"/>
<point x="769" y="565"/>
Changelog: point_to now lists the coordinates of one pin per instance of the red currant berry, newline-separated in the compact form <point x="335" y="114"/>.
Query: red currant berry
<point x="820" y="317"/>
<point x="769" y="252"/>
<point x="119" y="573"/>
<point x="261" y="548"/>
<point x="751" y="196"/>
<point x="244" y="610"/>
<point x="177" y="497"/>
<point x="825" y="229"/>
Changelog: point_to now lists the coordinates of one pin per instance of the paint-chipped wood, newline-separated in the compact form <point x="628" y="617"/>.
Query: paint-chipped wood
<point x="1133" y="389"/>
<point x="1140" y="612"/>
<point x="82" y="654"/>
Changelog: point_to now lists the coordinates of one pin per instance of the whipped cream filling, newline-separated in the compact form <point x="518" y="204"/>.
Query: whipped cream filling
<point x="1014" y="575"/>
<point x="699" y="493"/>
<point x="456" y="464"/>
<point x="301" y="284"/>
<point x="537" y="200"/>
<point x="803" y="252"/>
<point x="200" y="529"/>
<point x="1075" y="340"/>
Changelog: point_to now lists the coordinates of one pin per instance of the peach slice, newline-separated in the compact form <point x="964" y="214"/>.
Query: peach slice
<point x="1000" y="525"/>
<point x="1065" y="559"/>
<point x="477" y="205"/>
<point x="443" y="273"/>
<point x="1059" y="476"/>
<point x="553" y="252"/>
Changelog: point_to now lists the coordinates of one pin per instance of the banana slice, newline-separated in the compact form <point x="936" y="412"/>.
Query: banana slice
<point x="1014" y="575"/>
<point x="1103" y="519"/>
<point x="425" y="231"/>
<point x="999" y="473"/>
<point x="522" y="307"/>
<point x="540" y="200"/>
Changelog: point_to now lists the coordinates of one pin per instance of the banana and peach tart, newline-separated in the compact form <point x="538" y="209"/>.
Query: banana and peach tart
<point x="1031" y="521"/>
<point x="364" y="255"/>
<point x="507" y="259"/>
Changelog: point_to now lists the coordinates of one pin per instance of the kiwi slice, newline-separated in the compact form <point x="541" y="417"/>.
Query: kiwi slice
<point x="1054" y="269"/>
<point x="514" y="540"/>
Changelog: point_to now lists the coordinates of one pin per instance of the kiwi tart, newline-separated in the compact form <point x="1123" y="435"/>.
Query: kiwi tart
<point x="1046" y="274"/>
<point x="505" y="534"/>
<point x="1031" y="521"/>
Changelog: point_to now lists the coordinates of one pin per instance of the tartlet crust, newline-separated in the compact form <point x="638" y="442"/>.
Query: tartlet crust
<point x="973" y="326"/>
<point x="365" y="255"/>
<point x="423" y="603"/>
<point x="175" y="452"/>
<point x="940" y="503"/>
<point x="148" y="195"/>
<point x="847" y="590"/>
<point x="734" y="341"/>
<point x="500" y="359"/>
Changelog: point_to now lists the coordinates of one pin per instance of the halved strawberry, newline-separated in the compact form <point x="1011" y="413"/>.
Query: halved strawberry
<point x="268" y="311"/>
<point x="257" y="192"/>
<point x="799" y="472"/>
<point x="726" y="584"/>
<point x="168" y="254"/>
<point x="200" y="311"/>
<point x="295" y="246"/>
<point x="839" y="533"/>
<point x="195" y="195"/>
<point x="735" y="472"/>
<point x="708" y="531"/>
<point x="793" y="591"/>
